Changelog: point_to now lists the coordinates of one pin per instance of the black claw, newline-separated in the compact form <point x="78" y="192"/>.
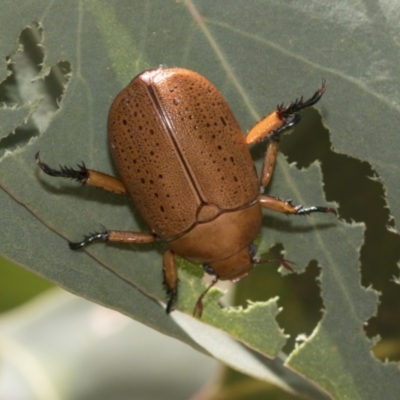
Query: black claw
<point x="89" y="239"/>
<point x="173" y="295"/>
<point x="286" y="111"/>
<point x="299" y="209"/>
<point x="275" y="135"/>
<point x="307" y="211"/>
<point x="81" y="174"/>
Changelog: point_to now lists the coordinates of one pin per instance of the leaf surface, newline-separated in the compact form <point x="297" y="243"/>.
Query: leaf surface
<point x="258" y="55"/>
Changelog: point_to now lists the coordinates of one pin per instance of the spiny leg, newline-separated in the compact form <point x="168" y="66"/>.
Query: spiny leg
<point x="170" y="273"/>
<point x="84" y="176"/>
<point x="281" y="116"/>
<point x="272" y="127"/>
<point x="114" y="236"/>
<point x="286" y="206"/>
<point x="272" y="150"/>
<point x="169" y="266"/>
<point x="107" y="182"/>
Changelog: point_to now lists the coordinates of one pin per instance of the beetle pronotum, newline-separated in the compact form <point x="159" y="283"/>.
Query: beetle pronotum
<point x="184" y="161"/>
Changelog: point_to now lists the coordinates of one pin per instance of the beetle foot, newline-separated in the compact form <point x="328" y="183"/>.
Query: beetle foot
<point x="307" y="211"/>
<point x="173" y="295"/>
<point x="198" y="309"/>
<point x="275" y="136"/>
<point x="89" y="239"/>
<point x="299" y="104"/>
<point x="81" y="174"/>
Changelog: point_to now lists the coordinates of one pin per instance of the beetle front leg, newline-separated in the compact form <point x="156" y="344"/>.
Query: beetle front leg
<point x="286" y="206"/>
<point x="84" y="176"/>
<point x="272" y="127"/>
<point x="170" y="272"/>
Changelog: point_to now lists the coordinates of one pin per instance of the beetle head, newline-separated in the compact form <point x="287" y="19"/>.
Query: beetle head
<point x="234" y="267"/>
<point x="238" y="265"/>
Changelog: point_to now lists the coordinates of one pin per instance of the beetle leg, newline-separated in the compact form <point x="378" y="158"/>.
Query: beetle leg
<point x="282" y="261"/>
<point x="84" y="176"/>
<point x="114" y="236"/>
<point x="286" y="206"/>
<point x="272" y="127"/>
<point x="280" y="116"/>
<point x="170" y="279"/>
<point x="198" y="307"/>
<point x="272" y="150"/>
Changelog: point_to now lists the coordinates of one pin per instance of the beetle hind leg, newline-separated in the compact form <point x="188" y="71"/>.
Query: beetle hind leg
<point x="92" y="237"/>
<point x="84" y="176"/>
<point x="114" y="236"/>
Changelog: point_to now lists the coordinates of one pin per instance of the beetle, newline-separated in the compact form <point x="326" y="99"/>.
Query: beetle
<point x="185" y="162"/>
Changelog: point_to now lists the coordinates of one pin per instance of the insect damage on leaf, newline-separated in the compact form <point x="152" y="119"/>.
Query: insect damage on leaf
<point x="31" y="94"/>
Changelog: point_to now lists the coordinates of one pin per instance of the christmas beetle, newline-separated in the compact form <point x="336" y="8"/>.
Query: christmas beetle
<point x="185" y="162"/>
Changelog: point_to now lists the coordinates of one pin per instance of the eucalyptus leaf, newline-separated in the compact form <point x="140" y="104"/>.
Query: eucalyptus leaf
<point x="257" y="54"/>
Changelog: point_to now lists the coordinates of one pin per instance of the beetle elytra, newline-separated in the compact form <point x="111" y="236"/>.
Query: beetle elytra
<point x="185" y="162"/>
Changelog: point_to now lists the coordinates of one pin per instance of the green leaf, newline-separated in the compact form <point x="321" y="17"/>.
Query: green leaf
<point x="258" y="54"/>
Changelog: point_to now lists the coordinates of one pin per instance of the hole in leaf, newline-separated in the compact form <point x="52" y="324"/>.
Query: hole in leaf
<point x="299" y="295"/>
<point x="362" y="199"/>
<point x="28" y="103"/>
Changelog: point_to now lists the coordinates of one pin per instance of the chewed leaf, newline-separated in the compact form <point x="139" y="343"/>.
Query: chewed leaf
<point x="258" y="56"/>
<point x="14" y="117"/>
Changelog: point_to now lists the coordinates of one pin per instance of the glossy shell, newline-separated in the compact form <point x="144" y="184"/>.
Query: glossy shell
<point x="180" y="151"/>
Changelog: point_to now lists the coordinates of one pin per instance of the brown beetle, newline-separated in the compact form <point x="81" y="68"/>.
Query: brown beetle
<point x="185" y="162"/>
